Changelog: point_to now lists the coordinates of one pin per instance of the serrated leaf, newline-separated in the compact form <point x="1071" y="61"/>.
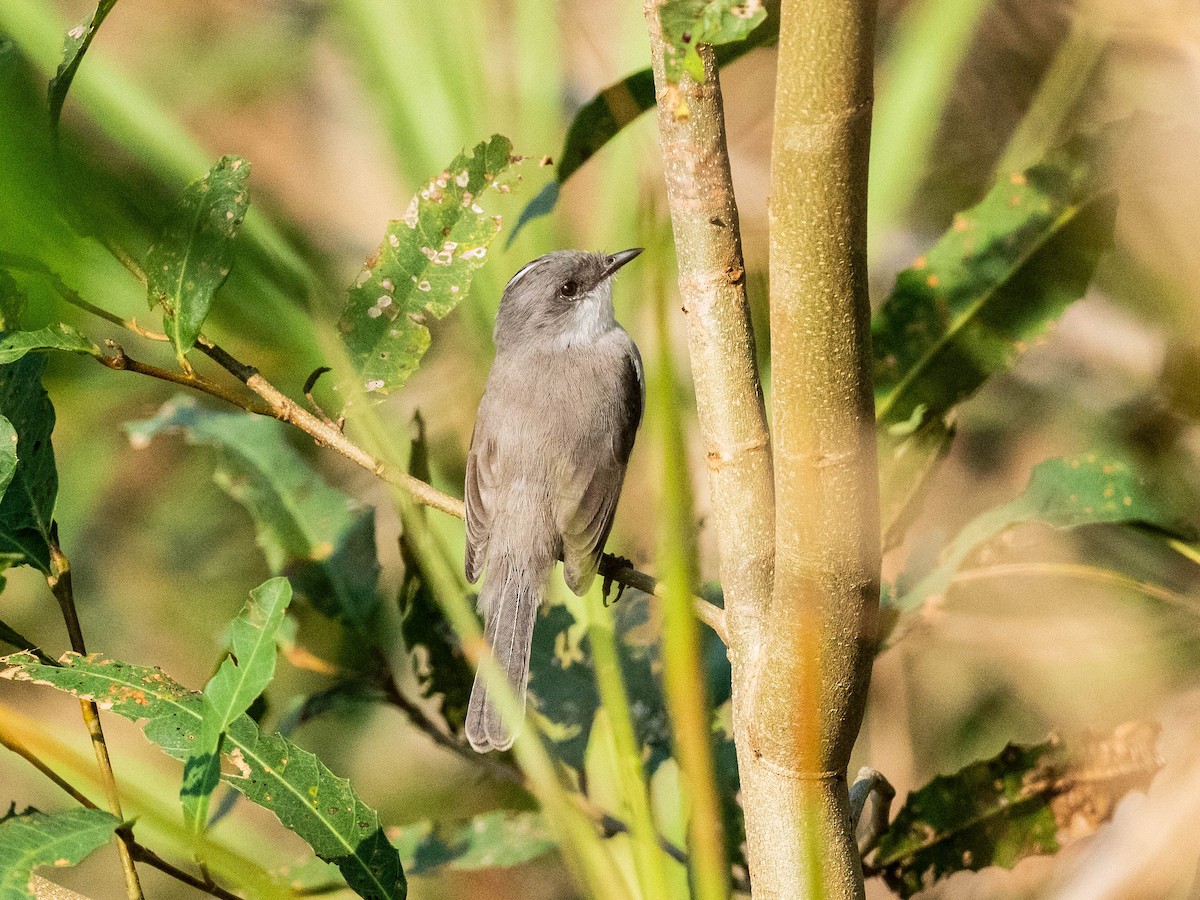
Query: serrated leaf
<point x="422" y="268"/>
<point x="15" y="344"/>
<point x="240" y="680"/>
<point x="966" y="310"/>
<point x="28" y="503"/>
<point x="991" y="286"/>
<point x="33" y="839"/>
<point x="191" y="260"/>
<point x="689" y="23"/>
<point x="604" y="116"/>
<point x="998" y="811"/>
<point x="269" y="770"/>
<point x="316" y="536"/>
<point x="75" y="45"/>
<point x="499" y="838"/>
<point x="1064" y="493"/>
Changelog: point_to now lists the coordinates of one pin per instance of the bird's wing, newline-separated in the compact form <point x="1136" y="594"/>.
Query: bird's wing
<point x="479" y="493"/>
<point x="590" y="502"/>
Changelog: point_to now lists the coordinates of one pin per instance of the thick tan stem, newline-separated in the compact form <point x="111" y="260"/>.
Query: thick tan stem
<point x="712" y="285"/>
<point x="807" y="685"/>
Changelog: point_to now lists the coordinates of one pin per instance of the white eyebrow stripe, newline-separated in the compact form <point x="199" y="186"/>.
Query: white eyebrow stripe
<point x="521" y="273"/>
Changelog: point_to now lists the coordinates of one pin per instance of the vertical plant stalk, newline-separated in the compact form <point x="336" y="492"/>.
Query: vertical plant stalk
<point x="685" y="687"/>
<point x="712" y="286"/>
<point x="729" y="400"/>
<point x="810" y="671"/>
<point x="59" y="580"/>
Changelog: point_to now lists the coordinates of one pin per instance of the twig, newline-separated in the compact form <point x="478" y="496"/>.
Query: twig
<point x="59" y="580"/>
<point x="123" y="362"/>
<point x="138" y="851"/>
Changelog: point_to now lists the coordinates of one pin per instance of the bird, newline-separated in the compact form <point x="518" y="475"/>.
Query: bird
<point x="552" y="438"/>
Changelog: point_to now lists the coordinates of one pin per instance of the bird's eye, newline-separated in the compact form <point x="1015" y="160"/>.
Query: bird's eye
<point x="569" y="289"/>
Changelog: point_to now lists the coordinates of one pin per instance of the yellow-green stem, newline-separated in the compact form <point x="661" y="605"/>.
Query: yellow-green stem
<point x="649" y="860"/>
<point x="687" y="697"/>
<point x="801" y="700"/>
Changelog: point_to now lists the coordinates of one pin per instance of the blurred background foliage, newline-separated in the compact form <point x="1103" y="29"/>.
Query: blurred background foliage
<point x="345" y="107"/>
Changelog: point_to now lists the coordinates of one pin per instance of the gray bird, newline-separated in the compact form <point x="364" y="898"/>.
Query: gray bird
<point x="554" y="431"/>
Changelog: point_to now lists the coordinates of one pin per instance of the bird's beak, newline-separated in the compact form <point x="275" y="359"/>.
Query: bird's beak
<point x="619" y="259"/>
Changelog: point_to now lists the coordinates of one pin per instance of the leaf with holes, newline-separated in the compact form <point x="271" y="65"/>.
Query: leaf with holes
<point x="689" y="23"/>
<point x="26" y="527"/>
<point x="1064" y="493"/>
<point x="191" y="260"/>
<point x="423" y="268"/>
<point x="15" y="344"/>
<point x="269" y="770"/>
<point x="32" y="839"/>
<point x="75" y="45"/>
<point x="1020" y="803"/>
<point x="240" y="680"/>
<point x="316" y="536"/>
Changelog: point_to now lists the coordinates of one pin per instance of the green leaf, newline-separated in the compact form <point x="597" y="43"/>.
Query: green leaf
<point x="32" y="839"/>
<point x="998" y="811"/>
<point x="28" y="503"/>
<point x="563" y="680"/>
<point x="1063" y="493"/>
<point x="269" y="770"/>
<point x="604" y="117"/>
<point x="190" y="262"/>
<point x="908" y="458"/>
<point x="15" y="344"/>
<point x="499" y="838"/>
<point x="75" y="44"/>
<point x="689" y="23"/>
<point x="439" y="665"/>
<point x="242" y="677"/>
<point x="12" y="299"/>
<point x="423" y="267"/>
<point x="992" y="286"/>
<point x="316" y="536"/>
<point x="8" y="454"/>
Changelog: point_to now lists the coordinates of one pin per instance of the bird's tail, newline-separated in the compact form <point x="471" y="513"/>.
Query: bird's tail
<point x="509" y="600"/>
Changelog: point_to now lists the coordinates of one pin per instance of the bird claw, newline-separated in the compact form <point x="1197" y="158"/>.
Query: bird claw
<point x="617" y="562"/>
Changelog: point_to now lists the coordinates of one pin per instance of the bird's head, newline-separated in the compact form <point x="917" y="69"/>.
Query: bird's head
<point x="560" y="299"/>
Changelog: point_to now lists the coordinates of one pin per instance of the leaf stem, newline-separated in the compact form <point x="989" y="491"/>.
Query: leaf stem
<point x="59" y="581"/>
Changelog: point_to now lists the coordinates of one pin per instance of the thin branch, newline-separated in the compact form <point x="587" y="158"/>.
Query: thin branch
<point x="122" y="362"/>
<point x="137" y="851"/>
<point x="59" y="580"/>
